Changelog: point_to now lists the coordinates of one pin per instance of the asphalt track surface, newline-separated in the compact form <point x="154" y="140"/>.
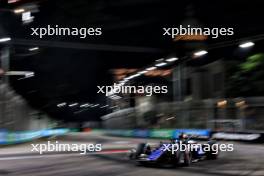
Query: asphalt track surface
<point x="246" y="159"/>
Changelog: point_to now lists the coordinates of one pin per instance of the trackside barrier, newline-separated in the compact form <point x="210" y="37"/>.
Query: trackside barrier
<point x="7" y="137"/>
<point x="160" y="133"/>
<point x="252" y="137"/>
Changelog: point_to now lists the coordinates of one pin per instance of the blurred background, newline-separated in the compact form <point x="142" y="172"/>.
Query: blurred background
<point x="215" y="85"/>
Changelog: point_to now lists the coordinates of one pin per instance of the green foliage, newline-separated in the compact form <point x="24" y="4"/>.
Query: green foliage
<point x="252" y="62"/>
<point x="246" y="79"/>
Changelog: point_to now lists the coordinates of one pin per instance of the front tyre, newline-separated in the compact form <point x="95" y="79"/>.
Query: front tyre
<point x="185" y="158"/>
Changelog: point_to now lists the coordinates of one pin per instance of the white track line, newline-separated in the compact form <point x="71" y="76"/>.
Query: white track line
<point x="59" y="155"/>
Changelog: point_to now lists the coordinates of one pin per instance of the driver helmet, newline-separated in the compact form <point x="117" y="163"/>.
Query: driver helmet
<point x="183" y="136"/>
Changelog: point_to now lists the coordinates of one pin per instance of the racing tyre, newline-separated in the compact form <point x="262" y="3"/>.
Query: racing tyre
<point x="140" y="149"/>
<point x="185" y="158"/>
<point x="212" y="155"/>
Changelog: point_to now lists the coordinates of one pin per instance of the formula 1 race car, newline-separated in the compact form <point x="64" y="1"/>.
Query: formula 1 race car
<point x="171" y="153"/>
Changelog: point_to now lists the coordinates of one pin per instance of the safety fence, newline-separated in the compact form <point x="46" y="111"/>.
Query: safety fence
<point x="254" y="137"/>
<point x="160" y="133"/>
<point x="7" y="137"/>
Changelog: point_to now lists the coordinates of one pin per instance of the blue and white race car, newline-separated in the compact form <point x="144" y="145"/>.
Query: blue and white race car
<point x="171" y="154"/>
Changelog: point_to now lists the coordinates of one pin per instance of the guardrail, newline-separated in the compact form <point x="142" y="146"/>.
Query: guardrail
<point x="253" y="137"/>
<point x="160" y="133"/>
<point x="7" y="137"/>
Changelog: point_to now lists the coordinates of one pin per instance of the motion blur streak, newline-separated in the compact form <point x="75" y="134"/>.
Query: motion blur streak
<point x="114" y="161"/>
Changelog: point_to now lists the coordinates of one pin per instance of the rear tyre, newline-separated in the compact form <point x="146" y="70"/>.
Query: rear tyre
<point x="211" y="156"/>
<point x="213" y="153"/>
<point x="140" y="149"/>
